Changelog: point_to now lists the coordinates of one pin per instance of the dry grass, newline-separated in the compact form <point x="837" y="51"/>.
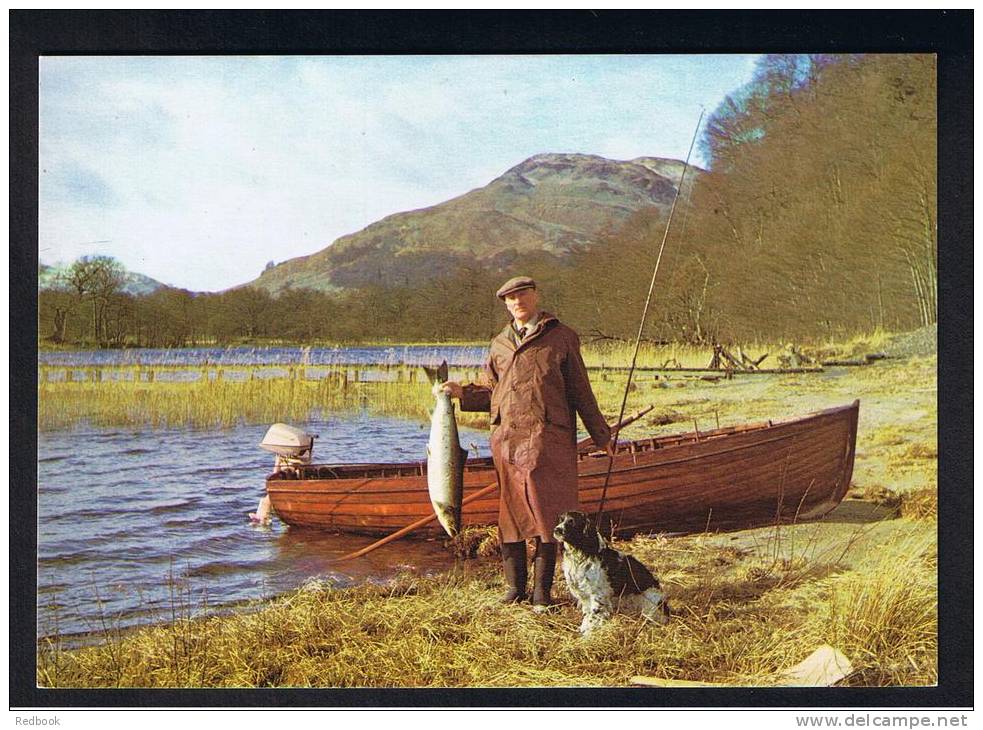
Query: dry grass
<point x="741" y="615"/>
<point x="208" y="403"/>
<point x="886" y="615"/>
<point x="222" y="396"/>
<point x="920" y="504"/>
<point x="857" y="346"/>
<point x="676" y="355"/>
<point x="746" y="605"/>
<point x="614" y="353"/>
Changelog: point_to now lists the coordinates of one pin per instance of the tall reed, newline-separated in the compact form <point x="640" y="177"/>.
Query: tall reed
<point x="208" y="402"/>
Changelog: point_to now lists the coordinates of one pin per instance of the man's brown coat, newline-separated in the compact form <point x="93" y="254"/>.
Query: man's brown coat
<point x="533" y="393"/>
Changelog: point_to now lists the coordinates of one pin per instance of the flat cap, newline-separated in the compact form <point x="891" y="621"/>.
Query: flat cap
<point x="515" y="284"/>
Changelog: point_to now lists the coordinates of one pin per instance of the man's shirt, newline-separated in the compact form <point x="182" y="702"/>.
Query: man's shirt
<point x="520" y="333"/>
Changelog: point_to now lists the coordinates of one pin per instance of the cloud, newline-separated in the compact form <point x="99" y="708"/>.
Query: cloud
<point x="70" y="182"/>
<point x="201" y="169"/>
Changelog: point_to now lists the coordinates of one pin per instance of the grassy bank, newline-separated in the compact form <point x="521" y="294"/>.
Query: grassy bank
<point x="45" y="344"/>
<point x="743" y="612"/>
<point x="209" y="403"/>
<point x="617" y="353"/>
<point x="747" y="605"/>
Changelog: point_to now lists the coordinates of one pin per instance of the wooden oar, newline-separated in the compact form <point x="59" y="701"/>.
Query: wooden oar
<point x="480" y="493"/>
<point x="586" y="444"/>
<point x="413" y="526"/>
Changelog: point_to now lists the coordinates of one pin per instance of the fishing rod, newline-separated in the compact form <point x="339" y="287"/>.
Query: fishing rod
<point x="641" y="325"/>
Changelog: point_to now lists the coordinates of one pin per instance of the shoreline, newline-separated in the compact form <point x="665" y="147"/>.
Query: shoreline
<point x="747" y="604"/>
<point x="270" y="343"/>
<point x="774" y="592"/>
<point x="265" y="344"/>
<point x="854" y="510"/>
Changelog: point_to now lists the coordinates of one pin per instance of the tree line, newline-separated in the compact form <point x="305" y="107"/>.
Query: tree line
<point x="819" y="214"/>
<point x="88" y="307"/>
<point x="817" y="218"/>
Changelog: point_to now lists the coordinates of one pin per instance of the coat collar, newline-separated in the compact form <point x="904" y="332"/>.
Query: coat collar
<point x="543" y="323"/>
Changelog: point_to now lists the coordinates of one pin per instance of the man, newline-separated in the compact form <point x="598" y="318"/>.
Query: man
<point x="534" y="385"/>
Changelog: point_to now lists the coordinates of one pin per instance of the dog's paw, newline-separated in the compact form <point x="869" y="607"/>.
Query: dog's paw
<point x="654" y="606"/>
<point x="592" y="621"/>
<point x="660" y="617"/>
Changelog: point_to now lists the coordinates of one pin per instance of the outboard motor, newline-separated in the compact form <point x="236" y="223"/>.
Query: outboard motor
<point x="292" y="445"/>
<point x="288" y="441"/>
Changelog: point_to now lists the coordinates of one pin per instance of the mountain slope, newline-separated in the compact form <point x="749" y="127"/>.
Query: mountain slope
<point x="51" y="277"/>
<point x="551" y="203"/>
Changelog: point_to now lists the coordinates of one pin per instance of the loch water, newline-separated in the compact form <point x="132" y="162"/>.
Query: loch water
<point x="455" y="355"/>
<point x="134" y="524"/>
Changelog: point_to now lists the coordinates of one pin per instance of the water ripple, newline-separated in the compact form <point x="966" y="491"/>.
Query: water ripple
<point x="128" y="517"/>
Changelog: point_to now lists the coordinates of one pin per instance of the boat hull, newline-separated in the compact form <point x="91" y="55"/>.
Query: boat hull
<point x="731" y="478"/>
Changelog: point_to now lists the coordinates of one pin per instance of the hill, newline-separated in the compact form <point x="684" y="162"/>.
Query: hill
<point x="552" y="204"/>
<point x="50" y="277"/>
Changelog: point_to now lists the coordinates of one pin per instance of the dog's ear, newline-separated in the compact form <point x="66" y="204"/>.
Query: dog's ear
<point x="591" y="538"/>
<point x="596" y="543"/>
<point x="605" y="526"/>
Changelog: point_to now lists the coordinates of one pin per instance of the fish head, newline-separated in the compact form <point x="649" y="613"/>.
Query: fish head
<point x="449" y="518"/>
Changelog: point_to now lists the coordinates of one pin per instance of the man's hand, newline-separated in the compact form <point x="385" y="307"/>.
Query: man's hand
<point x="452" y="388"/>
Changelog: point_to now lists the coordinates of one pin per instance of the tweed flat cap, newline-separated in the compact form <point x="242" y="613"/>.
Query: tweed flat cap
<point x="515" y="284"/>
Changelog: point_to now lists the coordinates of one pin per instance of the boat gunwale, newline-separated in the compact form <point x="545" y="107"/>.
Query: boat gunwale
<point x="359" y="471"/>
<point x="810" y="503"/>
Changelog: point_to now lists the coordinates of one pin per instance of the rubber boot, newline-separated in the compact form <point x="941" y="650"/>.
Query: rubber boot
<point x="514" y="562"/>
<point x="545" y="567"/>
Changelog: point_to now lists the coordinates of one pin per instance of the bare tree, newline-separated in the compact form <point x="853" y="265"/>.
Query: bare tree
<point x="96" y="278"/>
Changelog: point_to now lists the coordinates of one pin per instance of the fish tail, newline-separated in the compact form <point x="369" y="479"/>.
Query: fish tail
<point x="437" y="374"/>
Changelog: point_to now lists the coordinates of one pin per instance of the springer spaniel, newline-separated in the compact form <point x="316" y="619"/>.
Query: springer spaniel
<point x="605" y="580"/>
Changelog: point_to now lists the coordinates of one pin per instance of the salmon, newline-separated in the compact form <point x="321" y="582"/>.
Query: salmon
<point x="445" y="458"/>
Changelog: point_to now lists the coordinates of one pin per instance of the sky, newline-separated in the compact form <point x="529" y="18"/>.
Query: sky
<point x="198" y="170"/>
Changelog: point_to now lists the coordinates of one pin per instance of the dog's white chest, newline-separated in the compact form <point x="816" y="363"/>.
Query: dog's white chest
<point x="586" y="578"/>
<point x="591" y="586"/>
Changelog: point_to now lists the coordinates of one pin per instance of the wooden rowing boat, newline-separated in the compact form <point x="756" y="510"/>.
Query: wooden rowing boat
<point x="728" y="478"/>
